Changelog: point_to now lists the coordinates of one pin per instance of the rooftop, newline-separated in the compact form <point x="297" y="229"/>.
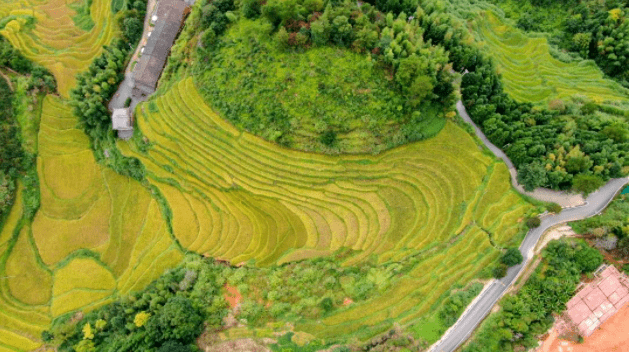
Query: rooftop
<point x="121" y="119"/>
<point x="170" y="15"/>
<point x="598" y="301"/>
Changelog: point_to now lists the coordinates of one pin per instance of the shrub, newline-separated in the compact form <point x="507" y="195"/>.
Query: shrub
<point x="499" y="271"/>
<point x="512" y="256"/>
<point x="533" y="222"/>
<point x="554" y="208"/>
<point x="128" y="102"/>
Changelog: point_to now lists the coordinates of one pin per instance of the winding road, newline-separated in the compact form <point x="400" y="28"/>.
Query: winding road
<point x="481" y="306"/>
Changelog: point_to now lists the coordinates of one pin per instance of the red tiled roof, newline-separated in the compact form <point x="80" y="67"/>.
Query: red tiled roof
<point x="594" y="298"/>
<point x="598" y="301"/>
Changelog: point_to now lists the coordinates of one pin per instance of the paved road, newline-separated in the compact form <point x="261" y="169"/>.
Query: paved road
<point x="479" y="309"/>
<point x="543" y="194"/>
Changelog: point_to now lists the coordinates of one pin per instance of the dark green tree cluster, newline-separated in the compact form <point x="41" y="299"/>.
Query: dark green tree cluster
<point x="14" y="161"/>
<point x="529" y="313"/>
<point x="166" y="316"/>
<point x="11" y="151"/>
<point x="96" y="86"/>
<point x="549" y="147"/>
<point x="39" y="78"/>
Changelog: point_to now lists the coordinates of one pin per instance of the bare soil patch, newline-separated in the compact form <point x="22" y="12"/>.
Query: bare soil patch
<point x="612" y="336"/>
<point x="232" y="296"/>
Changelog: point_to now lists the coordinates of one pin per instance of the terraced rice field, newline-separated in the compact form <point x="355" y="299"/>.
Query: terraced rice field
<point x="55" y="41"/>
<point x="531" y="74"/>
<point x="237" y="197"/>
<point x="96" y="235"/>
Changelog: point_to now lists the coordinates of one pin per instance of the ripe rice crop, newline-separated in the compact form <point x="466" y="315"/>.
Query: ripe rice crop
<point x="55" y="41"/>
<point x="84" y="209"/>
<point x="237" y="197"/>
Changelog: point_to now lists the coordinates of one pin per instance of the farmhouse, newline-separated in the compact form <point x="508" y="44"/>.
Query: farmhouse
<point x="168" y="20"/>
<point x="142" y="81"/>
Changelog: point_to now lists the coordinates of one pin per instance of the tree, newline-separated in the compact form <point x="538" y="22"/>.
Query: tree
<point x="174" y="346"/>
<point x="533" y="222"/>
<point x="176" y="320"/>
<point x="588" y="258"/>
<point x="532" y="175"/>
<point x="512" y="256"/>
<point x="132" y="29"/>
<point x="499" y="271"/>
<point x="586" y="184"/>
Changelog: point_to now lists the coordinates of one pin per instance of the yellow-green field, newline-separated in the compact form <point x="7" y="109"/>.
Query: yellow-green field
<point x="531" y="74"/>
<point x="56" y="42"/>
<point x="237" y="197"/>
<point x="83" y="206"/>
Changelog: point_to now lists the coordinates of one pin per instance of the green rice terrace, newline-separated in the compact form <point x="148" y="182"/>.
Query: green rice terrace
<point x="531" y="74"/>
<point x="304" y="156"/>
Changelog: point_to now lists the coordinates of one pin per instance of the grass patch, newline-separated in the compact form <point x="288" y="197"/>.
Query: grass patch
<point x="325" y="99"/>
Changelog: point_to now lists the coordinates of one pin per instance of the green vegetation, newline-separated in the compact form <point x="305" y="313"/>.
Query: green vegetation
<point x="432" y="328"/>
<point x="527" y="314"/>
<point x="593" y="29"/>
<point x="511" y="257"/>
<point x="323" y="78"/>
<point x="609" y="229"/>
<point x="530" y="73"/>
<point x="550" y="146"/>
<point x="219" y="183"/>
<point x="82" y="19"/>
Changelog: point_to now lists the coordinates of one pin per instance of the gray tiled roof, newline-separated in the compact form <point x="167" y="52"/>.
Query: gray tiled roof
<point x="148" y="70"/>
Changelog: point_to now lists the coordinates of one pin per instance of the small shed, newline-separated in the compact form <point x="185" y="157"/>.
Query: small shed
<point x="122" y="122"/>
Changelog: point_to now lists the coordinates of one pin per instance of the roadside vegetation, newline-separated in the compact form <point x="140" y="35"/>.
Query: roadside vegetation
<point x="609" y="231"/>
<point x="528" y="313"/>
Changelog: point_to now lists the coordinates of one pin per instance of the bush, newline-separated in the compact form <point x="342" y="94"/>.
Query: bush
<point x="499" y="271"/>
<point x="128" y="102"/>
<point x="512" y="256"/>
<point x="533" y="222"/>
<point x="554" y="208"/>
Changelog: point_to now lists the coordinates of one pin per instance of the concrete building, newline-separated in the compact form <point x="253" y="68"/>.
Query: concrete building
<point x="123" y="123"/>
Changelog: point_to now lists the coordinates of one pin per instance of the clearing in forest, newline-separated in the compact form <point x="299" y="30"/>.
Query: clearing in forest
<point x="531" y="74"/>
<point x="237" y="197"/>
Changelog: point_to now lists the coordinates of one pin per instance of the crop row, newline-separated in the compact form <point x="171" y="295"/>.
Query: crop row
<point x="55" y="42"/>
<point x="531" y="74"/>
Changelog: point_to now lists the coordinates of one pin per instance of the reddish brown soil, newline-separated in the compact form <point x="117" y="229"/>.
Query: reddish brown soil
<point x="347" y="301"/>
<point x="612" y="336"/>
<point x="232" y="296"/>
